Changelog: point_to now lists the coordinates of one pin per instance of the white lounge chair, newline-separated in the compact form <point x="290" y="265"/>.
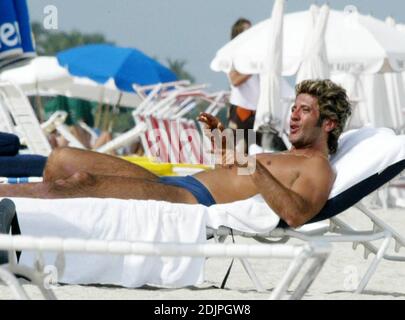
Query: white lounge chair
<point x="366" y="159"/>
<point x="128" y="271"/>
<point x="170" y="136"/>
<point x="19" y="118"/>
<point x="360" y="171"/>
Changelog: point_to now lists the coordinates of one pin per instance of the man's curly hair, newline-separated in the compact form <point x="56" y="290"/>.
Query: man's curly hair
<point x="333" y="104"/>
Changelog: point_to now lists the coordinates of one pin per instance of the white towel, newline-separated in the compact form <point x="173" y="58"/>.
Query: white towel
<point x="252" y="215"/>
<point x="134" y="220"/>
<point x="113" y="219"/>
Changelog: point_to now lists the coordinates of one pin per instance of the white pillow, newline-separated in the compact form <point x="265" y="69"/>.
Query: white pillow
<point x="364" y="152"/>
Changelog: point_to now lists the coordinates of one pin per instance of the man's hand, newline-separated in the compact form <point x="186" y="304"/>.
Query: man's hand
<point x="210" y="121"/>
<point x="225" y="157"/>
<point x="225" y="153"/>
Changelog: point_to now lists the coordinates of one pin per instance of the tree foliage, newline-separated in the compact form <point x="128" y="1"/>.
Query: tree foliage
<point x="178" y="67"/>
<point x="50" y="42"/>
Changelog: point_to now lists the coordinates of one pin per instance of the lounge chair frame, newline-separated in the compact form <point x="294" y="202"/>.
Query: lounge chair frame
<point x="336" y="231"/>
<point x="315" y="253"/>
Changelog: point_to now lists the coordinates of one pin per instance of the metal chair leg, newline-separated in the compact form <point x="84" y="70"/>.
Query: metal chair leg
<point x="373" y="266"/>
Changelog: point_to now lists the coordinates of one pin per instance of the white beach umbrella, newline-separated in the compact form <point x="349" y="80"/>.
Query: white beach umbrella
<point x="355" y="89"/>
<point x="269" y="110"/>
<point x="108" y="93"/>
<point x="400" y="27"/>
<point x="315" y="62"/>
<point x="394" y="83"/>
<point x="390" y="21"/>
<point x="395" y="86"/>
<point x="376" y="98"/>
<point x="351" y="40"/>
<point x="37" y="75"/>
<point x="44" y="76"/>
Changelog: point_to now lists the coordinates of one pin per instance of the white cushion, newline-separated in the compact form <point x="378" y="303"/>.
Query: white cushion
<point x="361" y="153"/>
<point x="364" y="152"/>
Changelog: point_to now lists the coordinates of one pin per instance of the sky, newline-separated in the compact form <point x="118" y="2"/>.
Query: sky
<point x="190" y="30"/>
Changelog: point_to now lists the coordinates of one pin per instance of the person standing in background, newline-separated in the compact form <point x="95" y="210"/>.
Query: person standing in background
<point x="244" y="94"/>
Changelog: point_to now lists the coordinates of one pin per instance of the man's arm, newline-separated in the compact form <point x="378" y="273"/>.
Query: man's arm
<point x="306" y="197"/>
<point x="237" y="78"/>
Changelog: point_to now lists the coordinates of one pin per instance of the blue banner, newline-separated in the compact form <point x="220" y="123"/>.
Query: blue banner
<point x="27" y="43"/>
<point x="10" y="40"/>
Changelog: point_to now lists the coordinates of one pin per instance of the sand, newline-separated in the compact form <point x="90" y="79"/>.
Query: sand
<point x="336" y="280"/>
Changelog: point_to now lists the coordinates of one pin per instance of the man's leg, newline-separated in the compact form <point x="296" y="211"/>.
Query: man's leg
<point x="86" y="185"/>
<point x="64" y="162"/>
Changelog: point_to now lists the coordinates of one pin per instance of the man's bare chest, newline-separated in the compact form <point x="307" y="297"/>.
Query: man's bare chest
<point x="284" y="167"/>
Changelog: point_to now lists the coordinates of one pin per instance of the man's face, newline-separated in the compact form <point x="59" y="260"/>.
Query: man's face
<point x="304" y="127"/>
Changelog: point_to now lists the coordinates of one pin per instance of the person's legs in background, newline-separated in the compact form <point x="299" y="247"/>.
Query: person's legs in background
<point x="240" y="118"/>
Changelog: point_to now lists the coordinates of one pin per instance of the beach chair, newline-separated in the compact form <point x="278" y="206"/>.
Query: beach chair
<point x="194" y="245"/>
<point x="153" y="99"/>
<point x="360" y="171"/>
<point x="173" y="138"/>
<point x="160" y="114"/>
<point x="147" y="94"/>
<point x="366" y="159"/>
<point x="19" y="118"/>
<point x="317" y="252"/>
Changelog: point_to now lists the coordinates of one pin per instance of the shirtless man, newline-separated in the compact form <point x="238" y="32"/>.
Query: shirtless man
<point x="295" y="184"/>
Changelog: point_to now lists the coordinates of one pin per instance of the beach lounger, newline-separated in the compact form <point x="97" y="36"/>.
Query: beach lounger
<point x="128" y="242"/>
<point x="366" y="159"/>
<point x="163" y="106"/>
<point x="360" y="171"/>
<point x="173" y="138"/>
<point x="18" y="117"/>
<point x="149" y="94"/>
